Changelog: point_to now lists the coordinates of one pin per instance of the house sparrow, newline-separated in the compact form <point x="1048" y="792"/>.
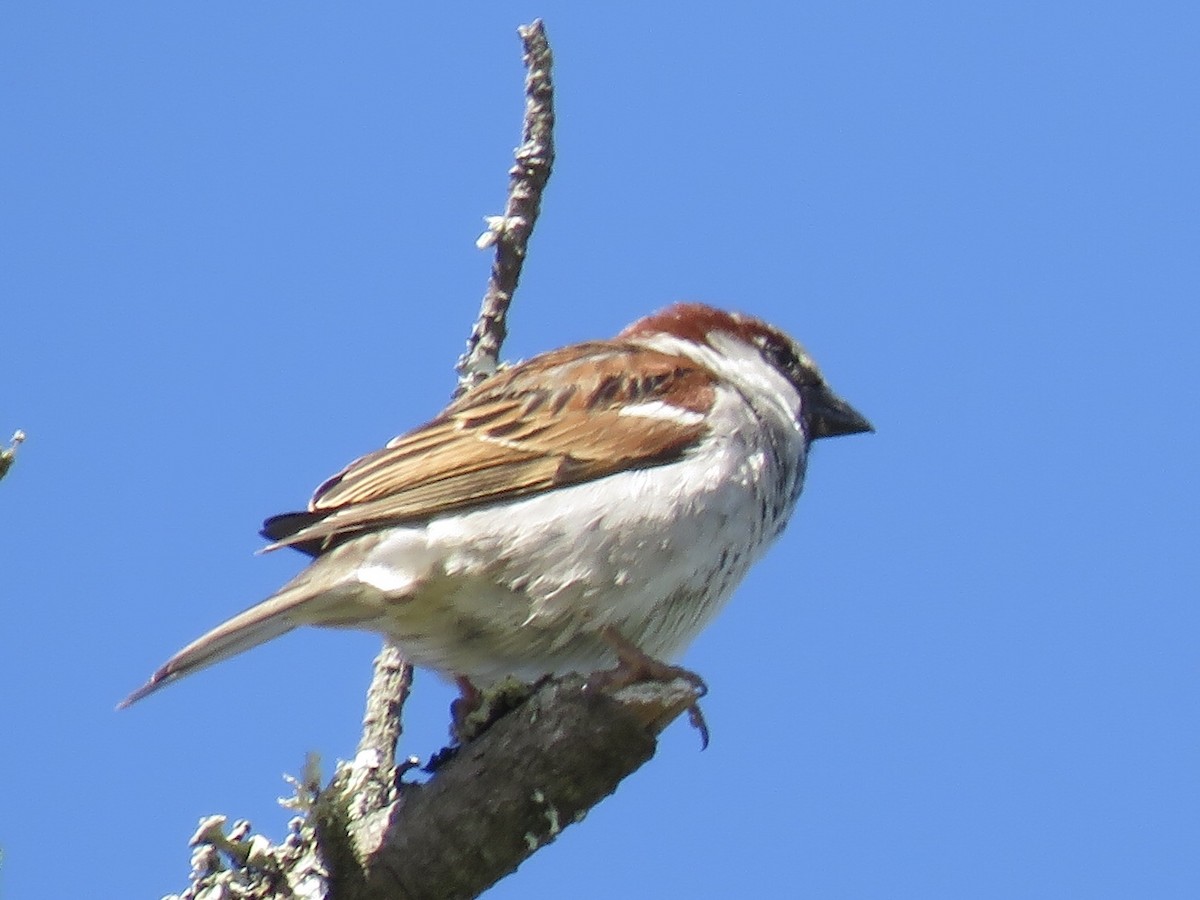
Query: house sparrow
<point x="593" y="505"/>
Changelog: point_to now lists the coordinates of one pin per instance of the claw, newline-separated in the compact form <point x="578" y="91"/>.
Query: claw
<point x="634" y="665"/>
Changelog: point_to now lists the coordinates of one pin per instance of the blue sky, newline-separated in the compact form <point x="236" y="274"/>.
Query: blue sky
<point x="236" y="251"/>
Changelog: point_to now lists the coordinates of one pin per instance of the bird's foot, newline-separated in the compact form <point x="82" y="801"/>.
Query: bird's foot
<point x="634" y="665"/>
<point x="468" y="701"/>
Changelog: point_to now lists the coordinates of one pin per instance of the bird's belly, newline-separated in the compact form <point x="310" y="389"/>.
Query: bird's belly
<point x="523" y="589"/>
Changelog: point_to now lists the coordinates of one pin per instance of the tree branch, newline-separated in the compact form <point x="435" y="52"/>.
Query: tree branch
<point x="513" y="788"/>
<point x="502" y="797"/>
<point x="510" y="232"/>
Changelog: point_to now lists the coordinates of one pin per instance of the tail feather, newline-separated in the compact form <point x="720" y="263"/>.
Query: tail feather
<point x="257" y="625"/>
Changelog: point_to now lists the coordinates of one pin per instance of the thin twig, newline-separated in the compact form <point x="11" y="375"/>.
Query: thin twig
<point x="9" y="455"/>
<point x="509" y="233"/>
<point x="385" y="701"/>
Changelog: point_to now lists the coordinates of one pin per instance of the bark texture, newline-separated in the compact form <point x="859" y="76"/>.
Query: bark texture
<point x="499" y="799"/>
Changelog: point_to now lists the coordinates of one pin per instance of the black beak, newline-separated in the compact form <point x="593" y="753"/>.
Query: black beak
<point x="828" y="415"/>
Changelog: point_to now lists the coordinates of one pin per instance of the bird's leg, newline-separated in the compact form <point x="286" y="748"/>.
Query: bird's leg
<point x="635" y="665"/>
<point x="469" y="699"/>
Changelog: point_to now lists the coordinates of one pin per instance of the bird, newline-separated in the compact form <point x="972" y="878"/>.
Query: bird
<point x="587" y="510"/>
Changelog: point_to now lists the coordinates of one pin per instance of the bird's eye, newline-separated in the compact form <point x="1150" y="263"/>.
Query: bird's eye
<point x="783" y="356"/>
<point x="780" y="355"/>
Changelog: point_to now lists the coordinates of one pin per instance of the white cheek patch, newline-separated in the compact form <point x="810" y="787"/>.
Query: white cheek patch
<point x="657" y="409"/>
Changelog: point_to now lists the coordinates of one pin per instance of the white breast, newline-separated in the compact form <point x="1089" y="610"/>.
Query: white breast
<point x="521" y="588"/>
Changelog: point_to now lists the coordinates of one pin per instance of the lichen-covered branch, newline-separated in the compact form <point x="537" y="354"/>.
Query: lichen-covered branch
<point x="497" y="801"/>
<point x="501" y="797"/>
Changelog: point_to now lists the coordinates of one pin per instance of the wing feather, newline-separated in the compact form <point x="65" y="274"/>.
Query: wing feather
<point x="513" y="436"/>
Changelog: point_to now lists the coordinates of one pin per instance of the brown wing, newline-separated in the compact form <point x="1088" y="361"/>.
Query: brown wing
<point x="513" y="436"/>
